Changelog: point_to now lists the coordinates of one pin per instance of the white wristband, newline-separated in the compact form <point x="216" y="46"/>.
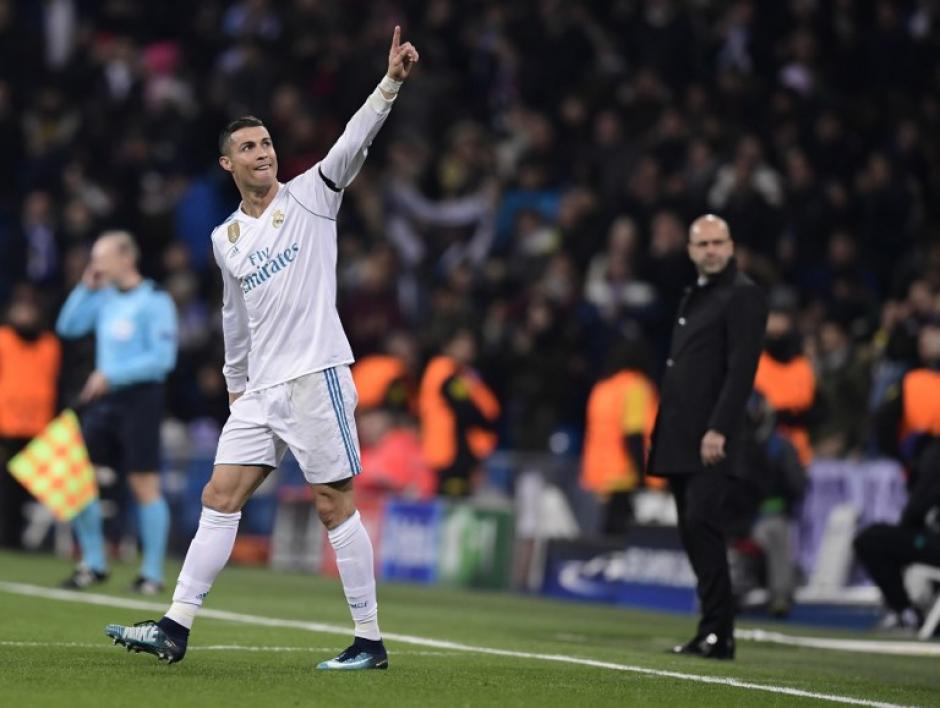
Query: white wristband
<point x="390" y="85"/>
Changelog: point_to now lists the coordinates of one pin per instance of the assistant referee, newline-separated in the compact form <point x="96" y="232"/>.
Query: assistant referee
<point x="123" y="399"/>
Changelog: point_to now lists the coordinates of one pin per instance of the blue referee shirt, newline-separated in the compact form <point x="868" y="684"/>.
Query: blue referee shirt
<point x="135" y="331"/>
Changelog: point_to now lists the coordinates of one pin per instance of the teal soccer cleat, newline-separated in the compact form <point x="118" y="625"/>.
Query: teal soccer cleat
<point x="358" y="658"/>
<point x="147" y="637"/>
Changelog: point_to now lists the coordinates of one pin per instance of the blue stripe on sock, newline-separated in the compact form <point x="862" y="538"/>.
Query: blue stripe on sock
<point x="357" y="465"/>
<point x="342" y="431"/>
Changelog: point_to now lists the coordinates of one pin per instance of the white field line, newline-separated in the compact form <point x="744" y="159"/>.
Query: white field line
<point x="117" y="602"/>
<point x="214" y="647"/>
<point x="867" y="646"/>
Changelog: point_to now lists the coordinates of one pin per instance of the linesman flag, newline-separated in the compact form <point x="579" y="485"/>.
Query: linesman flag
<point x="55" y="468"/>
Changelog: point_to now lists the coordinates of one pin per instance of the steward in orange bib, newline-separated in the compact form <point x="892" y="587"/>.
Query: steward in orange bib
<point x="381" y="382"/>
<point x="621" y="412"/>
<point x="785" y="378"/>
<point x="458" y="414"/>
<point x="29" y="373"/>
<point x="909" y="419"/>
<point x="385" y="380"/>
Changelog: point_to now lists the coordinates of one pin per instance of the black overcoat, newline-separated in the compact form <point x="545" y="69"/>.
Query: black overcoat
<point x="716" y="342"/>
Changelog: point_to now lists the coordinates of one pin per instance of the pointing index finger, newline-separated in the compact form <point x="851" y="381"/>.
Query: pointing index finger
<point x="396" y="36"/>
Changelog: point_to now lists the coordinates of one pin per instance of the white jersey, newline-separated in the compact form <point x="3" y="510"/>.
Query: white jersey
<point x="279" y="313"/>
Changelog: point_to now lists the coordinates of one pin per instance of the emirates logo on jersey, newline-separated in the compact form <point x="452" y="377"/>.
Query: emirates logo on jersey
<point x="272" y="266"/>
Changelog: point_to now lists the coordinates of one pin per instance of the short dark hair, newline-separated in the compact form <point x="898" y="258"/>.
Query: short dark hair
<point x="237" y="124"/>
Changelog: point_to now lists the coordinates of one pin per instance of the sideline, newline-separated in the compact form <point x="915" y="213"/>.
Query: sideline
<point x="867" y="646"/>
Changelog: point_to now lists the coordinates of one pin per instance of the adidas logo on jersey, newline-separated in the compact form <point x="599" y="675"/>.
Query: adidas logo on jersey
<point x="264" y="272"/>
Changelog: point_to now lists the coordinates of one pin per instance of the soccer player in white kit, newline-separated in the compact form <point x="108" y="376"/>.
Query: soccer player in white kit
<point x="287" y="369"/>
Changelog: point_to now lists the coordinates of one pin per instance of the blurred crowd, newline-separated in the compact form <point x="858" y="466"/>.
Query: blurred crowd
<point x="534" y="182"/>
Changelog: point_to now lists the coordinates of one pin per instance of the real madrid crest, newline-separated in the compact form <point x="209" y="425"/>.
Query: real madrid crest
<point x="234" y="231"/>
<point x="277" y="218"/>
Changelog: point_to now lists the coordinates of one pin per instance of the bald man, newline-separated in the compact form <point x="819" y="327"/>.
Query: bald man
<point x="122" y="401"/>
<point x="716" y="343"/>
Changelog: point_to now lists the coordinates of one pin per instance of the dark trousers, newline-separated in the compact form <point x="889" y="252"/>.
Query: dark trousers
<point x="886" y="550"/>
<point x="618" y="513"/>
<point x="13" y="496"/>
<point x="700" y="502"/>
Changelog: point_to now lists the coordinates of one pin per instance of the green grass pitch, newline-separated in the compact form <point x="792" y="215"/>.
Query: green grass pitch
<point x="54" y="652"/>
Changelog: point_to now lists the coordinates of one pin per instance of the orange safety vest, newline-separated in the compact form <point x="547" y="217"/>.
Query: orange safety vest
<point x="623" y="404"/>
<point x="438" y="422"/>
<point x="921" y="391"/>
<point x="29" y="373"/>
<point x="373" y="375"/>
<point x="789" y="386"/>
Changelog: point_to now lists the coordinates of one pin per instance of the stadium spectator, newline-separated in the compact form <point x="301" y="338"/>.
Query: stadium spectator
<point x="458" y="414"/>
<point x="843" y="379"/>
<point x="763" y="505"/>
<point x="387" y="380"/>
<point x="785" y="378"/>
<point x="621" y="411"/>
<point x="698" y="438"/>
<point x="612" y="283"/>
<point x="30" y="357"/>
<point x="123" y="398"/>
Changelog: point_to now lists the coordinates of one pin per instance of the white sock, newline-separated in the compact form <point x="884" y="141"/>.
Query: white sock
<point x="207" y="555"/>
<point x="354" y="560"/>
<point x="182" y="613"/>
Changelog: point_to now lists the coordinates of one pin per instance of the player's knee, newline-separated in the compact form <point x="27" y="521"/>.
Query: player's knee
<point x="333" y="509"/>
<point x="220" y="500"/>
<point x="329" y="515"/>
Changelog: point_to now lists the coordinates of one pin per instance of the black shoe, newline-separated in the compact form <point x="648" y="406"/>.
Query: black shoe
<point x="710" y="646"/>
<point x="149" y="637"/>
<point x="363" y="654"/>
<point x="84" y="578"/>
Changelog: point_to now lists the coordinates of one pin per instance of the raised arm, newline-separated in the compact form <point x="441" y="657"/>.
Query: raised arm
<point x="345" y="158"/>
<point x="80" y="312"/>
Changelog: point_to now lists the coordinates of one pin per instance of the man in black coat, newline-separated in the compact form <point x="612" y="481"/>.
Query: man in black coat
<point x="699" y="433"/>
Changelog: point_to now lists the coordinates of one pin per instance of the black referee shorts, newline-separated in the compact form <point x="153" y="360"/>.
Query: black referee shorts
<point x="122" y="428"/>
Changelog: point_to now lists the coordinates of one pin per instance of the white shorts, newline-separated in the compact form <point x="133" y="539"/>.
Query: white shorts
<point x="312" y="415"/>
